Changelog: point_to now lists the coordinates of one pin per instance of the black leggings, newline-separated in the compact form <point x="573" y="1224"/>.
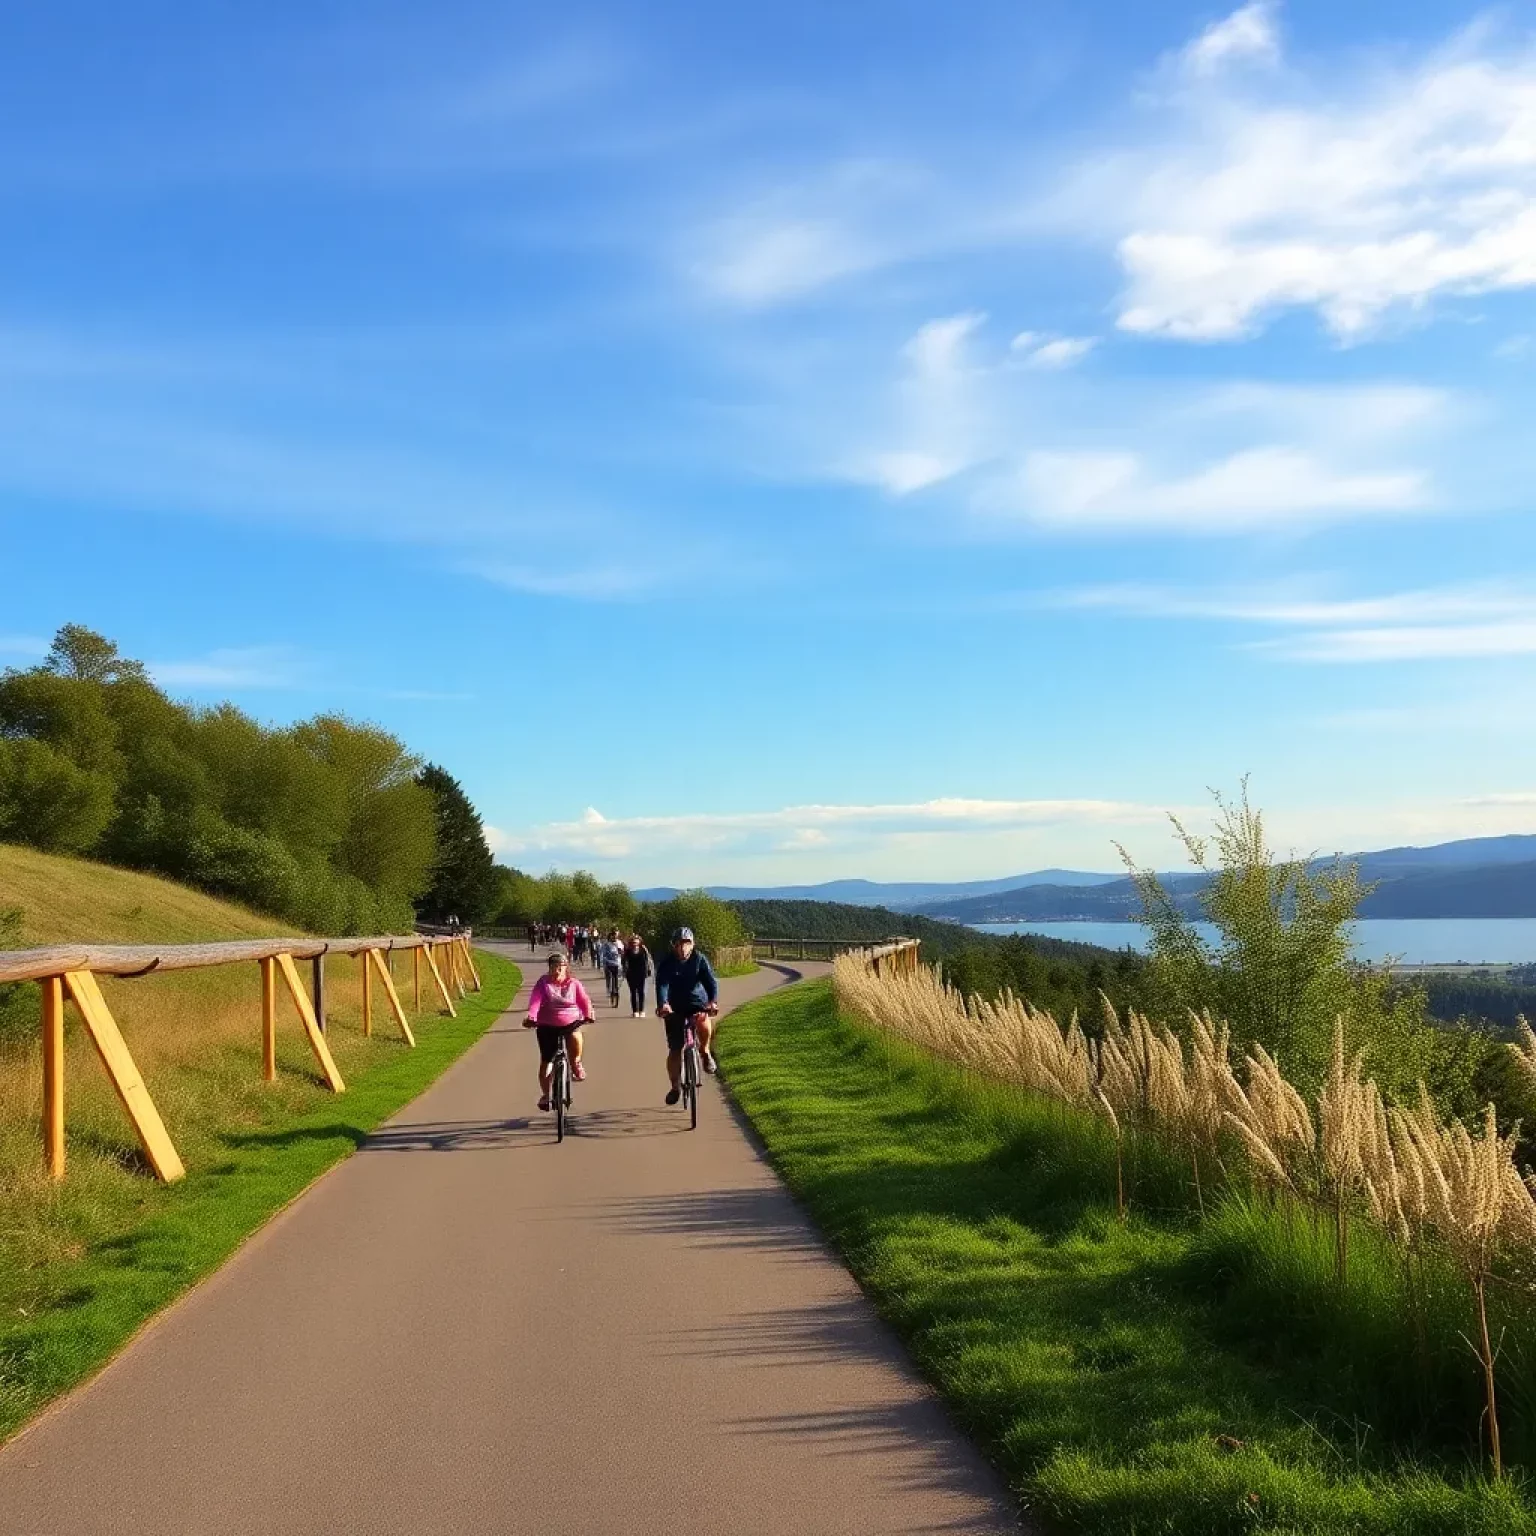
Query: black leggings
<point x="637" y="995"/>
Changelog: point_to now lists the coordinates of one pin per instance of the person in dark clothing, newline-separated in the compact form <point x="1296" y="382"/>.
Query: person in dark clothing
<point x="686" y="990"/>
<point x="637" y="967"/>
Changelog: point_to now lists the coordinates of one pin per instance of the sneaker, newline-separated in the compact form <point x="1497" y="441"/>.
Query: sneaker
<point x="709" y="1062"/>
<point x="673" y="1095"/>
<point x="544" y="1103"/>
<point x="578" y="1071"/>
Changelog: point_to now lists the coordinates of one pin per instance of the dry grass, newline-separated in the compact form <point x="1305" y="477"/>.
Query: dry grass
<point x="1421" y="1178"/>
<point x="195" y="1036"/>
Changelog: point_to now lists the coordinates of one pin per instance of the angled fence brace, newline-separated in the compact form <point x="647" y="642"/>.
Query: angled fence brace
<point x="437" y="976"/>
<point x="118" y="1060"/>
<point x="469" y="961"/>
<point x="305" y="1010"/>
<point x="393" y="996"/>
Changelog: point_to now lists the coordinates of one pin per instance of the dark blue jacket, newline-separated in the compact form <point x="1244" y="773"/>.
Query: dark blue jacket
<point x="689" y="985"/>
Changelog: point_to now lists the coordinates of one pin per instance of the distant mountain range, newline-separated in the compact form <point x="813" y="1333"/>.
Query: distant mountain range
<point x="1473" y="877"/>
<point x="900" y="896"/>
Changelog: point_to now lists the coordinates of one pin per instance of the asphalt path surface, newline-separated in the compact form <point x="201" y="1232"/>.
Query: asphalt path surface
<point x="467" y="1328"/>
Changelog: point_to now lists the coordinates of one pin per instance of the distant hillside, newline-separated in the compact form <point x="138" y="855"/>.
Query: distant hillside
<point x="941" y="941"/>
<point x="1410" y="882"/>
<point x="64" y="900"/>
<point x="896" y="896"/>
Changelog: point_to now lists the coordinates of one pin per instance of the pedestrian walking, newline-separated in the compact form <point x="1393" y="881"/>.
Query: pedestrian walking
<point x="637" y="968"/>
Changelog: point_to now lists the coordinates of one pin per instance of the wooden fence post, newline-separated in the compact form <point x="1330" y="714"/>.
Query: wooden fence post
<point x="53" y="1074"/>
<point x="416" y="979"/>
<point x="317" y="989"/>
<point x="118" y="1060"/>
<point x="268" y="1019"/>
<point x="367" y="979"/>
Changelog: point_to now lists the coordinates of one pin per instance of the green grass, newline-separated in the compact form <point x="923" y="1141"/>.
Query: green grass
<point x="109" y="1247"/>
<point x="747" y="968"/>
<point x="1154" y="1377"/>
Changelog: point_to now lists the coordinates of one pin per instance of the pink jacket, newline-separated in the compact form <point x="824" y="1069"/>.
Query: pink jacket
<point x="559" y="1006"/>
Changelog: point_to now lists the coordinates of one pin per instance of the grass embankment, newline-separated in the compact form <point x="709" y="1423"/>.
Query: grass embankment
<point x="1137" y="1378"/>
<point x="85" y="1262"/>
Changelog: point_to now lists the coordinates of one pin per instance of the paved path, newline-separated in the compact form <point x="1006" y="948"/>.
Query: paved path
<point x="466" y="1328"/>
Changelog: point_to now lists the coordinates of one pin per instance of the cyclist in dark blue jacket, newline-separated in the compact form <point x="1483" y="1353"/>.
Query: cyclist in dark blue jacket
<point x="686" y="989"/>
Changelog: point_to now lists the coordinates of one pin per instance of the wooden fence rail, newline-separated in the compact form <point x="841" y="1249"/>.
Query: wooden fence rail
<point x="894" y="953"/>
<point x="68" y="972"/>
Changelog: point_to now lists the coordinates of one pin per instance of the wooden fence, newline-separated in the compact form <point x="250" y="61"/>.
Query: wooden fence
<point x="898" y="954"/>
<point x="69" y="972"/>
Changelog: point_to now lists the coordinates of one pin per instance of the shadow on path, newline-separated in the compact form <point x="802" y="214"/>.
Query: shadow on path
<point x="745" y="1217"/>
<point x="885" y="1427"/>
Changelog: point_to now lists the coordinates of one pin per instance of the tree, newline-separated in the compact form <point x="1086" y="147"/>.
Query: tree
<point x="714" y="924"/>
<point x="1279" y="969"/>
<point x="87" y="657"/>
<point x="464" y="880"/>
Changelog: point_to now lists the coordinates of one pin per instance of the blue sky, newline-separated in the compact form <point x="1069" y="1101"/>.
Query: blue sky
<point x="778" y="442"/>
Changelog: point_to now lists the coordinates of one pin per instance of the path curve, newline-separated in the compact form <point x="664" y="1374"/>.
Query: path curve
<point x="465" y="1328"/>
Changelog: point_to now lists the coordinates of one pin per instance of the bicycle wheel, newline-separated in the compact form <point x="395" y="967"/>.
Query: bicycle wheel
<point x="561" y="1093"/>
<point x="691" y="1076"/>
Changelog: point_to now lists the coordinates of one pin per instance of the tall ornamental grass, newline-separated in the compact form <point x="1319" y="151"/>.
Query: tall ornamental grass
<point x="1428" y="1194"/>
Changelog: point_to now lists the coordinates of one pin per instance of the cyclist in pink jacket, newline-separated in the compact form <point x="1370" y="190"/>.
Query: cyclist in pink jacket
<point x="558" y="1004"/>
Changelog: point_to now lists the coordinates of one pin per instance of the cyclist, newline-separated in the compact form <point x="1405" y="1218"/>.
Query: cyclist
<point x="611" y="954"/>
<point x="558" y="1003"/>
<point x="686" y="990"/>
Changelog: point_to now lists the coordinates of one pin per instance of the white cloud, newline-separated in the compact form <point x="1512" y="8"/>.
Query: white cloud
<point x="1356" y="199"/>
<point x="1248" y="34"/>
<point x="495" y="839"/>
<point x="1040" y="351"/>
<point x="259" y="666"/>
<point x="941" y="411"/>
<point x="1416" y="642"/>
<point x="1468" y="622"/>
<point x="807" y="826"/>
<point x="1257" y="487"/>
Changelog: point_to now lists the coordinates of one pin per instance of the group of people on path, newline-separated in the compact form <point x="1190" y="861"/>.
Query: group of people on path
<point x="617" y="958"/>
<point x="687" y="992"/>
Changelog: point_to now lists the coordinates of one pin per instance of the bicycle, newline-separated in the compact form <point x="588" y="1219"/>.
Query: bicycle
<point x="612" y="974"/>
<point x="692" y="1075"/>
<point x="560" y="1083"/>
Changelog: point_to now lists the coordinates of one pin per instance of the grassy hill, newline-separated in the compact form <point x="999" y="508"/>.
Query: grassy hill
<point x="71" y="1288"/>
<point x="65" y="901"/>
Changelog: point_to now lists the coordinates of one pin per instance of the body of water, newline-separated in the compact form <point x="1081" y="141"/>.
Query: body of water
<point x="1410" y="940"/>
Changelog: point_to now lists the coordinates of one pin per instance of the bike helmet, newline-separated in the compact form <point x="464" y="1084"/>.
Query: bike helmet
<point x="682" y="935"/>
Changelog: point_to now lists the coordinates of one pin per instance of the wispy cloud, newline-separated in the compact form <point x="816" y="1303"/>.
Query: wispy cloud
<point x="1474" y="621"/>
<point x="259" y="666"/>
<point x="594" y="584"/>
<point x="1038" y="351"/>
<point x="810" y="825"/>
<point x="23" y="645"/>
<point x="1248" y="35"/>
<point x="1255" y="488"/>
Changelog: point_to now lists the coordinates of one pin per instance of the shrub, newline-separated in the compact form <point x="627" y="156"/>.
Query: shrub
<point x="715" y="925"/>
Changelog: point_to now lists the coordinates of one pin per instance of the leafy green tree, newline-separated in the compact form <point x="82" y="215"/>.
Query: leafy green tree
<point x="82" y="654"/>
<point x="464" y="880"/>
<point x="49" y="803"/>
<point x="715" y="925"/>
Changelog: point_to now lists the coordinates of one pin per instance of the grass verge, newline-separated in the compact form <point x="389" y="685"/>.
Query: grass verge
<point x="746" y="968"/>
<point x="83" y="1264"/>
<point x="1123" y="1379"/>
